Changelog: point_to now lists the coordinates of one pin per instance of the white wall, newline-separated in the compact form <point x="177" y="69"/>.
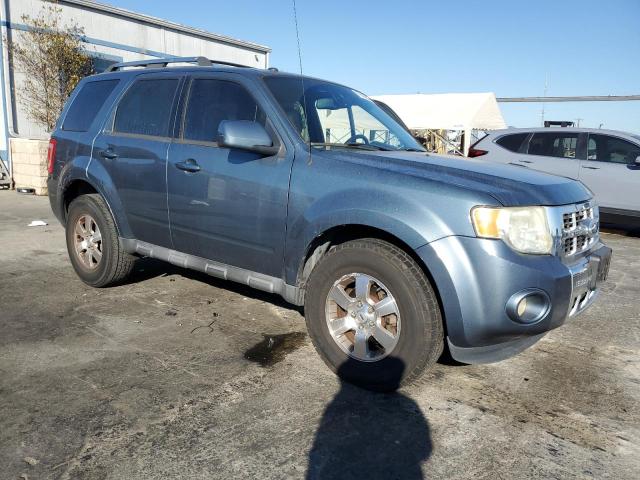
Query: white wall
<point x="125" y="38"/>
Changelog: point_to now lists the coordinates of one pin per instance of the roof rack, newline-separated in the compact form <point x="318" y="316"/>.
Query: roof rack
<point x="163" y="62"/>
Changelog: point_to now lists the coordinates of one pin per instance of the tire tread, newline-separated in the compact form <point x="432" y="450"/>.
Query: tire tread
<point x="433" y="331"/>
<point x="122" y="263"/>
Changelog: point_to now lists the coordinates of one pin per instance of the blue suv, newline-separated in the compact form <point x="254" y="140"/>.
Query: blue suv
<point x="308" y="189"/>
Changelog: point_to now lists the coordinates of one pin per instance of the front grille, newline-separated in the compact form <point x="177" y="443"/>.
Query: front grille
<point x="579" y="230"/>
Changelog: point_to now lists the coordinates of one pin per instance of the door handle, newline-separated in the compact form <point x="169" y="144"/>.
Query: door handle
<point x="591" y="168"/>
<point x="189" y="165"/>
<point x="525" y="161"/>
<point x="108" y="154"/>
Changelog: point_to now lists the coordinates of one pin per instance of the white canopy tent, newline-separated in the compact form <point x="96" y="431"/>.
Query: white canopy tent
<point x="448" y="111"/>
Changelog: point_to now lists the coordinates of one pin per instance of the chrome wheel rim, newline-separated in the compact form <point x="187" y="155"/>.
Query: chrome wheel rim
<point x="363" y="317"/>
<point x="88" y="242"/>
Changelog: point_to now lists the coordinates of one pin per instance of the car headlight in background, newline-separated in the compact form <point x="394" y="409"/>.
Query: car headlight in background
<point x="525" y="229"/>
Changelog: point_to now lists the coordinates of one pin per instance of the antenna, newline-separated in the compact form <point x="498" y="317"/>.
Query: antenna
<point x="304" y="97"/>
<point x="546" y="87"/>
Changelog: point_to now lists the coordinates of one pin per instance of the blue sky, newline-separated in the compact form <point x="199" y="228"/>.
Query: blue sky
<point x="583" y="47"/>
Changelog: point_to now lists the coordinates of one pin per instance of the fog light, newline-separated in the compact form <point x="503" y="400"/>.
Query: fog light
<point x="528" y="306"/>
<point x="522" y="306"/>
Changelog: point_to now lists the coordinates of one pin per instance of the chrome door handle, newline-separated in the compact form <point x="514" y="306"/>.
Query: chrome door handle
<point x="189" y="165"/>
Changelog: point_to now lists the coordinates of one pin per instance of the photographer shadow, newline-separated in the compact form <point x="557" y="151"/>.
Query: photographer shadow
<point x="369" y="435"/>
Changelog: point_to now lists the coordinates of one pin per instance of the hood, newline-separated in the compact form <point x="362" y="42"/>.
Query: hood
<point x="510" y="185"/>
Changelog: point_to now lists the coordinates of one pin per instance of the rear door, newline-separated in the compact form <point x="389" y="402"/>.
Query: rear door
<point x="556" y="152"/>
<point x="610" y="172"/>
<point x="133" y="148"/>
<point x="227" y="205"/>
<point x="507" y="149"/>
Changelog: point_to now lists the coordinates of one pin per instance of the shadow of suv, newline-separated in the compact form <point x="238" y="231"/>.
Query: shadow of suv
<point x="308" y="189"/>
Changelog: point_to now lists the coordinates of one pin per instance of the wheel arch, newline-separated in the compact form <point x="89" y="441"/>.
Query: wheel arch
<point x="339" y="234"/>
<point x="77" y="187"/>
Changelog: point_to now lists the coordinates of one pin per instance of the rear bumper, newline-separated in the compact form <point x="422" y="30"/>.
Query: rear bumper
<point x="56" y="207"/>
<point x="477" y="280"/>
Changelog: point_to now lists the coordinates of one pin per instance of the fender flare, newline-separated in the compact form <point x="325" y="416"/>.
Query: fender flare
<point x="102" y="184"/>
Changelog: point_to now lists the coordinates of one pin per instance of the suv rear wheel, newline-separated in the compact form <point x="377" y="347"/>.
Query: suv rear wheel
<point x="372" y="315"/>
<point x="93" y="244"/>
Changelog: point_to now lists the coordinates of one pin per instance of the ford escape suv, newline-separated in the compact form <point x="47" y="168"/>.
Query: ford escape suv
<point x="309" y="190"/>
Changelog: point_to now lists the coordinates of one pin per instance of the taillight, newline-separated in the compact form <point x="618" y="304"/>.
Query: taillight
<point x="51" y="155"/>
<point x="476" y="152"/>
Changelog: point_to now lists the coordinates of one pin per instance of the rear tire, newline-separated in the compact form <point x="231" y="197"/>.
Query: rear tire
<point x="93" y="244"/>
<point x="414" y="333"/>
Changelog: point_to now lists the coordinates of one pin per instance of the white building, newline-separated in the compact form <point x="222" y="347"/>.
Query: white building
<point x="111" y="35"/>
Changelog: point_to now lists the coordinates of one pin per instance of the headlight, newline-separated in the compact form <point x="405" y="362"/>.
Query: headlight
<point x="525" y="229"/>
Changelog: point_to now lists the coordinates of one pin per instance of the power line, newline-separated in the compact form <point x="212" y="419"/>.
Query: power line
<point x="591" y="98"/>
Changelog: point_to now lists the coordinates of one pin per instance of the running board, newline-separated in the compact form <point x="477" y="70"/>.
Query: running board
<point x="259" y="281"/>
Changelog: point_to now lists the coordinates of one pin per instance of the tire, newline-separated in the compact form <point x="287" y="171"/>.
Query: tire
<point x="419" y="338"/>
<point x="114" y="264"/>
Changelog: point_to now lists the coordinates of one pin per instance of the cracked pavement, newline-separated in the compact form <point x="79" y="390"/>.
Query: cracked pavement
<point x="179" y="375"/>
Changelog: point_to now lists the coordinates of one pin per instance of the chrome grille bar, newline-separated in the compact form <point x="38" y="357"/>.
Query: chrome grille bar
<point x="575" y="227"/>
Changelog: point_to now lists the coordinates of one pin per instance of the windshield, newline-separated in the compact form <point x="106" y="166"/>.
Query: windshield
<point x="338" y="116"/>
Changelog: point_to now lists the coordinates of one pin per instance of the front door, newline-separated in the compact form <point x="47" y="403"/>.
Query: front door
<point x="610" y="172"/>
<point x="133" y="152"/>
<point x="554" y="152"/>
<point x="227" y="205"/>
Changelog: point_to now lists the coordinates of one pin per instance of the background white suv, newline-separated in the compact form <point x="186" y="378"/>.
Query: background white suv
<point x="606" y="161"/>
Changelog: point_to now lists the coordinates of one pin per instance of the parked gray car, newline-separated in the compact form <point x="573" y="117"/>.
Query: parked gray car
<point x="606" y="161"/>
<point x="394" y="253"/>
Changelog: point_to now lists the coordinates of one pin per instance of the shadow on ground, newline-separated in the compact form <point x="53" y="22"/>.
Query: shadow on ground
<point x="364" y="435"/>
<point x="148" y="268"/>
<point x="621" y="229"/>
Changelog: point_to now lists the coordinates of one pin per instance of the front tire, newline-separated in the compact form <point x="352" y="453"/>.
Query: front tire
<point x="93" y="244"/>
<point x="373" y="315"/>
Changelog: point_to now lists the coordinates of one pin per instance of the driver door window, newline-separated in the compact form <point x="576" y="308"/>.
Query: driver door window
<point x="604" y="148"/>
<point x="210" y="102"/>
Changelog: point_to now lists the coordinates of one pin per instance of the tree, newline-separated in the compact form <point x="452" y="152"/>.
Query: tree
<point x="52" y="60"/>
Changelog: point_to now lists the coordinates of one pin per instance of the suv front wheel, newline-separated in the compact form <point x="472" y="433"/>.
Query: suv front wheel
<point x="93" y="244"/>
<point x="373" y="315"/>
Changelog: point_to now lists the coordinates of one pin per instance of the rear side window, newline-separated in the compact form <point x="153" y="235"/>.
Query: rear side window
<point x="146" y="108"/>
<point x="212" y="101"/>
<point x="561" y="145"/>
<point x="604" y="148"/>
<point x="87" y="104"/>
<point x="512" y="142"/>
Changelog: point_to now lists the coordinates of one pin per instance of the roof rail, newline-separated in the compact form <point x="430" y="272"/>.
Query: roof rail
<point x="163" y="62"/>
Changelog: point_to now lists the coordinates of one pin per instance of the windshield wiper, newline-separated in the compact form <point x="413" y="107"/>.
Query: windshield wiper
<point x="412" y="150"/>
<point x="360" y="146"/>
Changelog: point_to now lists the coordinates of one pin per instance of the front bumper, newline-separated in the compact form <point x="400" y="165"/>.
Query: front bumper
<point x="476" y="278"/>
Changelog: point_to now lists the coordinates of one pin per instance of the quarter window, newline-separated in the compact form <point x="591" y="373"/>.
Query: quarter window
<point x="87" y="104"/>
<point x="512" y="142"/>
<point x="561" y="145"/>
<point x="146" y="108"/>
<point x="604" y="148"/>
<point x="212" y="101"/>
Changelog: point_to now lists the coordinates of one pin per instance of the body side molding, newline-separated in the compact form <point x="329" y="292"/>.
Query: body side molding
<point x="259" y="281"/>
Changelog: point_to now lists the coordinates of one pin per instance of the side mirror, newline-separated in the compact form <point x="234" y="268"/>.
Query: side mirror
<point x="245" y="135"/>
<point x="637" y="161"/>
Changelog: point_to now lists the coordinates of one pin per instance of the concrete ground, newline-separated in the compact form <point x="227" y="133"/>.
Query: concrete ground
<point x="152" y="380"/>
